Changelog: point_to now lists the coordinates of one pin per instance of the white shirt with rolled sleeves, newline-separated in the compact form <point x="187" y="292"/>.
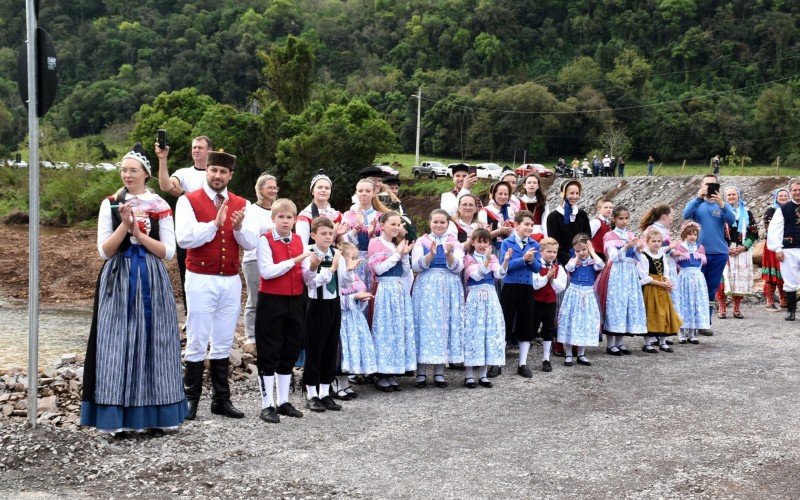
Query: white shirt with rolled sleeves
<point x="213" y="302"/>
<point x="190" y="178"/>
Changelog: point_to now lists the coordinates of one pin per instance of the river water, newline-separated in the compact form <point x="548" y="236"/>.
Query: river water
<point x="60" y="331"/>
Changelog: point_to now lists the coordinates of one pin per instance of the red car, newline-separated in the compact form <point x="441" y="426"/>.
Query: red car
<point x="533" y="168"/>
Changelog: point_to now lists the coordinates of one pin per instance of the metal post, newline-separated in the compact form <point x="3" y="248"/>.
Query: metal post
<point x="419" y="115"/>
<point x="33" y="218"/>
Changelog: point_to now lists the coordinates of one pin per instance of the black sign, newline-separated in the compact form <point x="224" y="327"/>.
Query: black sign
<point x="46" y="74"/>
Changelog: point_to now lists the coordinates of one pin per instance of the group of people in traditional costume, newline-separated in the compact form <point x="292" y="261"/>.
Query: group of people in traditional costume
<point x="363" y="298"/>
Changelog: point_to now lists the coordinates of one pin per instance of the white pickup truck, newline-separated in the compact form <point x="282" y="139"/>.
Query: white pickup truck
<point x="432" y="169"/>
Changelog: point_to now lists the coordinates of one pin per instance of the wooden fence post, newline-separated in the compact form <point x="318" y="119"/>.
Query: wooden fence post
<point x="683" y="166"/>
<point x="778" y="166"/>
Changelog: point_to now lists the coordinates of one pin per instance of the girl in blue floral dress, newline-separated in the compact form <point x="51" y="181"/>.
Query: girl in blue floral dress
<point x="482" y="322"/>
<point x="393" y="318"/>
<point x="438" y="300"/>
<point x="624" y="303"/>
<point x="691" y="290"/>
<point x="579" y="316"/>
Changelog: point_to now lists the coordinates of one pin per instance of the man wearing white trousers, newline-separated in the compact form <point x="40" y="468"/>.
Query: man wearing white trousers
<point x="211" y="226"/>
<point x="783" y="238"/>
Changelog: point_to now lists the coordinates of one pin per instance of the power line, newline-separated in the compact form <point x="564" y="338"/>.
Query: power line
<point x="710" y="68"/>
<point x="607" y="110"/>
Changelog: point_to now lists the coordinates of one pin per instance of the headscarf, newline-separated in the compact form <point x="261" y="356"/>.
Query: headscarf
<point x="775" y="203"/>
<point x="567" y="206"/>
<point x="742" y="219"/>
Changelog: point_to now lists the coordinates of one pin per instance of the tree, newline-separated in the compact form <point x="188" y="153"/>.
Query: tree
<point x="615" y="141"/>
<point x="289" y="72"/>
<point x="178" y="112"/>
<point x="343" y="139"/>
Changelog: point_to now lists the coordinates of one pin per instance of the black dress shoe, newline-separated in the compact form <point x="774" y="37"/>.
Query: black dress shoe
<point x="583" y="361"/>
<point x="624" y="350"/>
<point x="790" y="316"/>
<point x="269" y="415"/>
<point x="485" y="382"/>
<point x="330" y="404"/>
<point x="682" y="341"/>
<point x="494" y="371"/>
<point x="694" y="341"/>
<point x="469" y="382"/>
<point x="440" y="381"/>
<point x="192" y="410"/>
<point x="156" y="432"/>
<point x="225" y="408"/>
<point x="669" y="342"/>
<point x="383" y="388"/>
<point x="286" y="409"/>
<point x="665" y="348"/>
<point x="422" y="382"/>
<point x="612" y="352"/>
<point x="649" y="349"/>
<point x="395" y="387"/>
<point x="706" y="331"/>
<point x="568" y="361"/>
<point x="524" y="371"/>
<point x="546" y="366"/>
<point x="314" y="404"/>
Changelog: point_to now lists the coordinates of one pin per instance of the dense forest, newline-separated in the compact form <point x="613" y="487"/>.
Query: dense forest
<point x="675" y="78"/>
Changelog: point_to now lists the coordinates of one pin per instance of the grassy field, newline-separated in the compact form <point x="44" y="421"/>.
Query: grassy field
<point x="631" y="168"/>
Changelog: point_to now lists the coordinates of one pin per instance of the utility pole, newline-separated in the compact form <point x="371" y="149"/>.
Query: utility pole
<point x="419" y="116"/>
<point x="33" y="215"/>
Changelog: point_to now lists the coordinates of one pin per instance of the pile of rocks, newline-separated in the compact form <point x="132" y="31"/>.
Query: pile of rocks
<point x="59" y="392"/>
<point x="59" y="386"/>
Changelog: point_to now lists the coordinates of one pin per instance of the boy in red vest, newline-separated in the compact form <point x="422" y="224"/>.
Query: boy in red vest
<point x="600" y="225"/>
<point x="210" y="225"/>
<point x="280" y="312"/>
<point x="547" y="283"/>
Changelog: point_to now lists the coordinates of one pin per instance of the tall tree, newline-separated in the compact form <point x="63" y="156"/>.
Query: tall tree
<point x="289" y="72"/>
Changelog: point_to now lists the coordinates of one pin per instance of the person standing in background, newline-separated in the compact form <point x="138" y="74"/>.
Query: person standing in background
<point x="184" y="180"/>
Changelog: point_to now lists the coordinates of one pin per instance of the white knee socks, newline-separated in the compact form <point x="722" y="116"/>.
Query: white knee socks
<point x="267" y="383"/>
<point x="284" y="383"/>
<point x="546" y="347"/>
<point x="523" y="352"/>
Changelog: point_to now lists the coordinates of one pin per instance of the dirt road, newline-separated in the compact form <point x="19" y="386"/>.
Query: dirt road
<point x="718" y="420"/>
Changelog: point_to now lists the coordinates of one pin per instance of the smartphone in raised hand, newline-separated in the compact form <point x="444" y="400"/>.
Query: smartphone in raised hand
<point x="162" y="138"/>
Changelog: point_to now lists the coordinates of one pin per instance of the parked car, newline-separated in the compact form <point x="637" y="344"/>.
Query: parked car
<point x="21" y="164"/>
<point x="61" y="165"/>
<point x="432" y="169"/>
<point x="46" y="164"/>
<point x="108" y="167"/>
<point x="85" y="166"/>
<point x="533" y="168"/>
<point x="489" y="171"/>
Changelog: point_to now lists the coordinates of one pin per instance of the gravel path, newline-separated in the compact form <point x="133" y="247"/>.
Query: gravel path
<point x="717" y="420"/>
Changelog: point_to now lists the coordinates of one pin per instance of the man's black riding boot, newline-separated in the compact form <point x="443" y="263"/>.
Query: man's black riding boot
<point x="221" y="394"/>
<point x="193" y="386"/>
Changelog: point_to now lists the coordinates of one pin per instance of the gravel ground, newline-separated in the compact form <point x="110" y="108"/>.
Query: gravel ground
<point x="717" y="420"/>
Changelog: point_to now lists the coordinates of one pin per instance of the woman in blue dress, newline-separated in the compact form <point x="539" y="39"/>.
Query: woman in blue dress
<point x="392" y="318"/>
<point x="132" y="373"/>
<point x="438" y="300"/>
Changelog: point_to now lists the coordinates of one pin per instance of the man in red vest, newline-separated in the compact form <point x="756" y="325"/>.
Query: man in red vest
<point x="210" y="225"/>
